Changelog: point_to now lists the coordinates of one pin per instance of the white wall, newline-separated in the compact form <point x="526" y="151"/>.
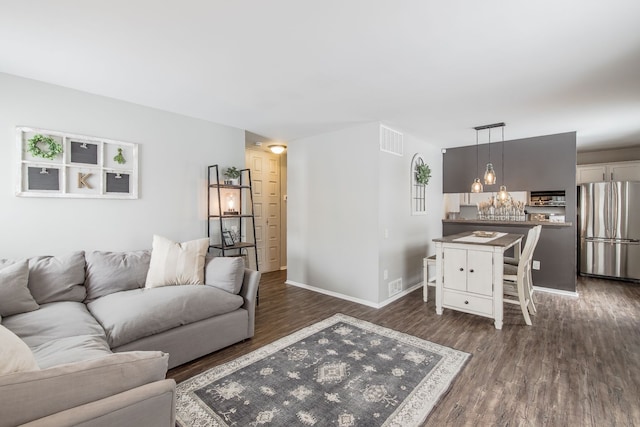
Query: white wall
<point x="174" y="151"/>
<point x="410" y="237"/>
<point x="332" y="212"/>
<point x="343" y="193"/>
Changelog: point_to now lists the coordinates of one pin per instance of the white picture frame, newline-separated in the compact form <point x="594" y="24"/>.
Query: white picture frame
<point x="76" y="173"/>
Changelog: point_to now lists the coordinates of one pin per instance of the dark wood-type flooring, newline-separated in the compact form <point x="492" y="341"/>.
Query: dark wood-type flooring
<point x="578" y="365"/>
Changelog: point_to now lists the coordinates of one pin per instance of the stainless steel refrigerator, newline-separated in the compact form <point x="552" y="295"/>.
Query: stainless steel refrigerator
<point x="610" y="229"/>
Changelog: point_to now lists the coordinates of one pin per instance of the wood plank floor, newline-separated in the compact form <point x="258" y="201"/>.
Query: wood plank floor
<point x="578" y="365"/>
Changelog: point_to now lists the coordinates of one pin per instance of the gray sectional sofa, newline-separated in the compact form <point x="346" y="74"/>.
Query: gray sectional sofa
<point x="103" y="342"/>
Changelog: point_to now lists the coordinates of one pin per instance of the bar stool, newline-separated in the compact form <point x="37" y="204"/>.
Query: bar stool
<point x="426" y="280"/>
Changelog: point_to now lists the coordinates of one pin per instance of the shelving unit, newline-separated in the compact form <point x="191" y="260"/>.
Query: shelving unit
<point x="230" y="215"/>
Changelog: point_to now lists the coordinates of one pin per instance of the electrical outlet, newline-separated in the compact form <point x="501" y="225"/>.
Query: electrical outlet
<point x="385" y="274"/>
<point x="536" y="265"/>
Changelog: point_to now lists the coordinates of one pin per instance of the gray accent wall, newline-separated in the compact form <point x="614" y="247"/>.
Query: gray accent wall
<point x="531" y="164"/>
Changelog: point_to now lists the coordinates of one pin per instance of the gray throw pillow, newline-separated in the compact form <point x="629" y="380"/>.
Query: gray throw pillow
<point x="57" y="278"/>
<point x="15" y="297"/>
<point x="109" y="272"/>
<point x="226" y="273"/>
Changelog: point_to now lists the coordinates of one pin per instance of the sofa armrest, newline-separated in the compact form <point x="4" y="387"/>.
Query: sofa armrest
<point x="249" y="292"/>
<point x="150" y="405"/>
<point x="27" y="396"/>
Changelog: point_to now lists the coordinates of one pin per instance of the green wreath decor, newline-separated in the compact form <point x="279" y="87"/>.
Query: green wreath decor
<point x="53" y="151"/>
<point x="423" y="174"/>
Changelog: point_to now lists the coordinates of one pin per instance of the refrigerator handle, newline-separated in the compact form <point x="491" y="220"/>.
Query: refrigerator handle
<point x="615" y="210"/>
<point x="607" y="209"/>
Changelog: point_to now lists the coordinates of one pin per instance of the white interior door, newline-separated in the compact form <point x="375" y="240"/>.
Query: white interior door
<point x="265" y="176"/>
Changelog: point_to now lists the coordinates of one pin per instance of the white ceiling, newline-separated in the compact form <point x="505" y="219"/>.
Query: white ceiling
<point x="287" y="69"/>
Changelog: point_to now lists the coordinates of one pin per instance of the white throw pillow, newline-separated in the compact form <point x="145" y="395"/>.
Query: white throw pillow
<point x="176" y="263"/>
<point x="15" y="355"/>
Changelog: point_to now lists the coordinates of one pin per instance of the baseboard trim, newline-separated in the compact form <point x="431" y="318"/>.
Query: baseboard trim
<point x="556" y="291"/>
<point x="354" y="299"/>
<point x="400" y="295"/>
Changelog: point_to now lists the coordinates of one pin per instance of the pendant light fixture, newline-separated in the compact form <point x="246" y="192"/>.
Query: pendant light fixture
<point x="503" y="194"/>
<point x="476" y="187"/>
<point x="489" y="173"/>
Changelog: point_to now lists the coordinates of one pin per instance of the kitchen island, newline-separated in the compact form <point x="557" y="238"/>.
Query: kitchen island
<point x="469" y="272"/>
<point x="555" y="253"/>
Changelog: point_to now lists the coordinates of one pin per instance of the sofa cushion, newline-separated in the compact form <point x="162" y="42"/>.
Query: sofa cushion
<point x="226" y="273"/>
<point x="57" y="278"/>
<point x="176" y="263"/>
<point x="109" y="272"/>
<point x="70" y="385"/>
<point x="14" y="293"/>
<point x="60" y="332"/>
<point x="15" y="355"/>
<point x="130" y="315"/>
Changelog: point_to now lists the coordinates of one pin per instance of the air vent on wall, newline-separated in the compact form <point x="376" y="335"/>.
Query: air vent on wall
<point x="391" y="141"/>
<point x="395" y="287"/>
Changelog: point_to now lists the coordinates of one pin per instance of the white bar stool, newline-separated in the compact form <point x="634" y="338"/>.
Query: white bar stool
<point x="426" y="279"/>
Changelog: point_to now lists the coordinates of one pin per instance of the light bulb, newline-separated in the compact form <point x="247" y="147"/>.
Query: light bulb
<point x="490" y="175"/>
<point x="277" y="149"/>
<point x="231" y="202"/>
<point x="503" y="194"/>
<point x="476" y="187"/>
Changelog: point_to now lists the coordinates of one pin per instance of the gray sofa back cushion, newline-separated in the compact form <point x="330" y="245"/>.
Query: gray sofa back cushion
<point x="14" y="294"/>
<point x="57" y="278"/>
<point x="226" y="273"/>
<point x="109" y="272"/>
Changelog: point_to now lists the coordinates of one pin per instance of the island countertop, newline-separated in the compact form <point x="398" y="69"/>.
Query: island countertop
<point x="506" y="222"/>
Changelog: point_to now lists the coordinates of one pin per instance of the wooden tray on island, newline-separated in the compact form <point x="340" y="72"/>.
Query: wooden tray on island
<point x="485" y="233"/>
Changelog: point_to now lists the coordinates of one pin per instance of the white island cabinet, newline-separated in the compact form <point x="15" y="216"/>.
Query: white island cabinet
<point x="469" y="273"/>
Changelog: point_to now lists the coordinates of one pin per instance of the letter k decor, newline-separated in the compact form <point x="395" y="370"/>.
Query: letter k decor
<point x="82" y="180"/>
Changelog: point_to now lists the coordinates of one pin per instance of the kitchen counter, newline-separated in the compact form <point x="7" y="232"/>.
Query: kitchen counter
<point x="506" y="223"/>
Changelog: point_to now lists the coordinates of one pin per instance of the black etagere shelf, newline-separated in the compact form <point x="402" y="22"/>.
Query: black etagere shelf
<point x="229" y="207"/>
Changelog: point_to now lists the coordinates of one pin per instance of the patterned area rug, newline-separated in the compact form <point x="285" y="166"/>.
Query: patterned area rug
<point x="338" y="372"/>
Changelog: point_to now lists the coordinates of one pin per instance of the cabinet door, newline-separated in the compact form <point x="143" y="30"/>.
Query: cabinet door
<point x="480" y="272"/>
<point x="455" y="269"/>
<point x="626" y="171"/>
<point x="591" y="173"/>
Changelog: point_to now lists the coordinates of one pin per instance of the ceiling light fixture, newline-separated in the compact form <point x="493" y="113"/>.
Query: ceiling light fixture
<point x="277" y="149"/>
<point x="489" y="173"/>
<point x="476" y="187"/>
<point x="503" y="194"/>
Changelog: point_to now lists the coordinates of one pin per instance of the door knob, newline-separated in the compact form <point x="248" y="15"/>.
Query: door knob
<point x="466" y="302"/>
<point x="471" y="271"/>
<point x="461" y="269"/>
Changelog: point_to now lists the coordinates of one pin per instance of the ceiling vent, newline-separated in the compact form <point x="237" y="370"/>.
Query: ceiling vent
<point x="391" y="141"/>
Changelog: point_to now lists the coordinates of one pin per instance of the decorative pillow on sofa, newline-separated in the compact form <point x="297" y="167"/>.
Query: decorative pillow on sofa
<point x="57" y="278"/>
<point x="109" y="272"/>
<point x="226" y="273"/>
<point x="15" y="355"/>
<point x="15" y="297"/>
<point x="176" y="263"/>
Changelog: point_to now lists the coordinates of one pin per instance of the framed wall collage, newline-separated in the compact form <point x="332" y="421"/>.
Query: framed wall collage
<point x="58" y="164"/>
